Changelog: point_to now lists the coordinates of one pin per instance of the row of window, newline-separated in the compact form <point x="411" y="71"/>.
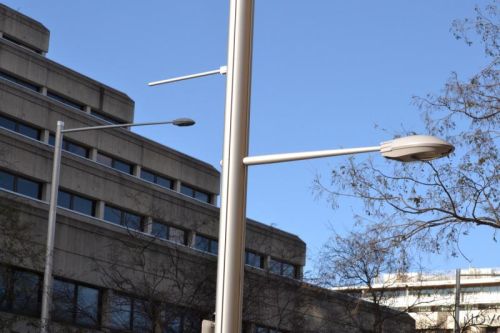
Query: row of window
<point x="87" y="206"/>
<point x="79" y="304"/>
<point x="21" y="292"/>
<point x="20" y="43"/>
<point x="82" y="305"/>
<point x="56" y="97"/>
<point x="107" y="160"/>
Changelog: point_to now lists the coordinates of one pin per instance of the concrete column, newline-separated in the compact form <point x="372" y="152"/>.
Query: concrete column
<point x="267" y="262"/>
<point x="46" y="191"/>
<point x="213" y="199"/>
<point x="87" y="109"/>
<point x="45" y="136"/>
<point x="177" y="185"/>
<point x="191" y="238"/>
<point x="99" y="209"/>
<point x="299" y="272"/>
<point x="137" y="171"/>
<point x="148" y="225"/>
<point x="93" y="154"/>
<point x="43" y="91"/>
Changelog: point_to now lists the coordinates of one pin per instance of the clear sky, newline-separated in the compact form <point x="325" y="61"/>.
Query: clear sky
<point x="325" y="73"/>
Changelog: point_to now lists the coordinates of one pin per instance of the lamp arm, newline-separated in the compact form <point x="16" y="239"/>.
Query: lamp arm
<point x="288" y="157"/>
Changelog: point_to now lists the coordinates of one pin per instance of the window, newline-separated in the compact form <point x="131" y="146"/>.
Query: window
<point x="19" y="127"/>
<point x="71" y="146"/>
<point x="194" y="193"/>
<point x="253" y="259"/>
<point x="115" y="163"/>
<point x="74" y="303"/>
<point x="75" y="202"/>
<point x="4" y="287"/>
<point x="206" y="244"/>
<point x="128" y="313"/>
<point x="122" y="217"/>
<point x="180" y="320"/>
<point x="19" y="81"/>
<point x="173" y="234"/>
<point x="22" y="44"/>
<point x="64" y="100"/>
<point x="25" y="292"/>
<point x="282" y="268"/>
<point x="157" y="179"/>
<point x="20" y="185"/>
<point x="104" y="117"/>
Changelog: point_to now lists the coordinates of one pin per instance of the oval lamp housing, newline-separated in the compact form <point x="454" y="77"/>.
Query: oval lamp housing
<point x="416" y="148"/>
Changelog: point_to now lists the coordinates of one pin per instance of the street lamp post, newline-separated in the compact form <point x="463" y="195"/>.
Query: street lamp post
<point x="235" y="162"/>
<point x="54" y="189"/>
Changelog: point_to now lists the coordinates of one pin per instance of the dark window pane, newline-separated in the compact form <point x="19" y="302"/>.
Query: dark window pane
<point x="275" y="266"/>
<point x="214" y="246"/>
<point x="6" y="181"/>
<point x="202" y="196"/>
<point x="120" y="312"/>
<point x="160" y="230"/>
<point x="122" y="166"/>
<point x="64" y="199"/>
<point x="103" y="159"/>
<point x="63" y="301"/>
<point x="87" y="306"/>
<point x="4" y="280"/>
<point x="64" y="100"/>
<point x="83" y="205"/>
<point x="142" y="321"/>
<point x="7" y="123"/>
<point x="52" y="139"/>
<point x="288" y="270"/>
<point x="167" y="183"/>
<point x="32" y="132"/>
<point x="75" y="149"/>
<point x="254" y="259"/>
<point x="28" y="187"/>
<point x="112" y="215"/>
<point x="187" y="190"/>
<point x="174" y="325"/>
<point x="202" y="243"/>
<point x="26" y="288"/>
<point x="146" y="175"/>
<point x="21" y="82"/>
<point x="131" y="221"/>
<point x="103" y="117"/>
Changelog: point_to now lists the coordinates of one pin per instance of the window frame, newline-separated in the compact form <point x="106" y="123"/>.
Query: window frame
<point x="155" y="178"/>
<point x="72" y="196"/>
<point x="193" y="191"/>
<point x="168" y="232"/>
<point x="115" y="160"/>
<point x="15" y="181"/>
<point x="122" y="217"/>
<point x="18" y="124"/>
<point x="210" y="241"/>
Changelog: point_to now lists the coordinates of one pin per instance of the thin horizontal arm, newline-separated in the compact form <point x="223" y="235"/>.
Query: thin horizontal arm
<point x="90" y="128"/>
<point x="287" y="157"/>
<point x="222" y="70"/>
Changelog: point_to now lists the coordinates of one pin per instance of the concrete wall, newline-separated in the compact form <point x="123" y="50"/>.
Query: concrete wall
<point x="66" y="82"/>
<point x="24" y="29"/>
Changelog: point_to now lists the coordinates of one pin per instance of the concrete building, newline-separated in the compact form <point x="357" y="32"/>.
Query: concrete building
<point x="137" y="222"/>
<point x="431" y="299"/>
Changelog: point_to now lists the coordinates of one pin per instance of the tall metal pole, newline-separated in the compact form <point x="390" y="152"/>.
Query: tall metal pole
<point x="51" y="228"/>
<point x="229" y="301"/>
<point x="457" y="301"/>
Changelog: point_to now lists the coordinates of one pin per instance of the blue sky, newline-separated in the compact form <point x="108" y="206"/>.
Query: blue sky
<point x="326" y="74"/>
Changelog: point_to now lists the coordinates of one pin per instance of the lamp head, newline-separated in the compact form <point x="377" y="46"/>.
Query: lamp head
<point x="183" y="122"/>
<point x="416" y="148"/>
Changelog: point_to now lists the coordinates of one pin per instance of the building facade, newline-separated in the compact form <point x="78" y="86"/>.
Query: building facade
<point x="431" y="299"/>
<point x="137" y="222"/>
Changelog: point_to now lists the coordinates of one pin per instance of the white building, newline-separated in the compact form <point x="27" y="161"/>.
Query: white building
<point x="430" y="299"/>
